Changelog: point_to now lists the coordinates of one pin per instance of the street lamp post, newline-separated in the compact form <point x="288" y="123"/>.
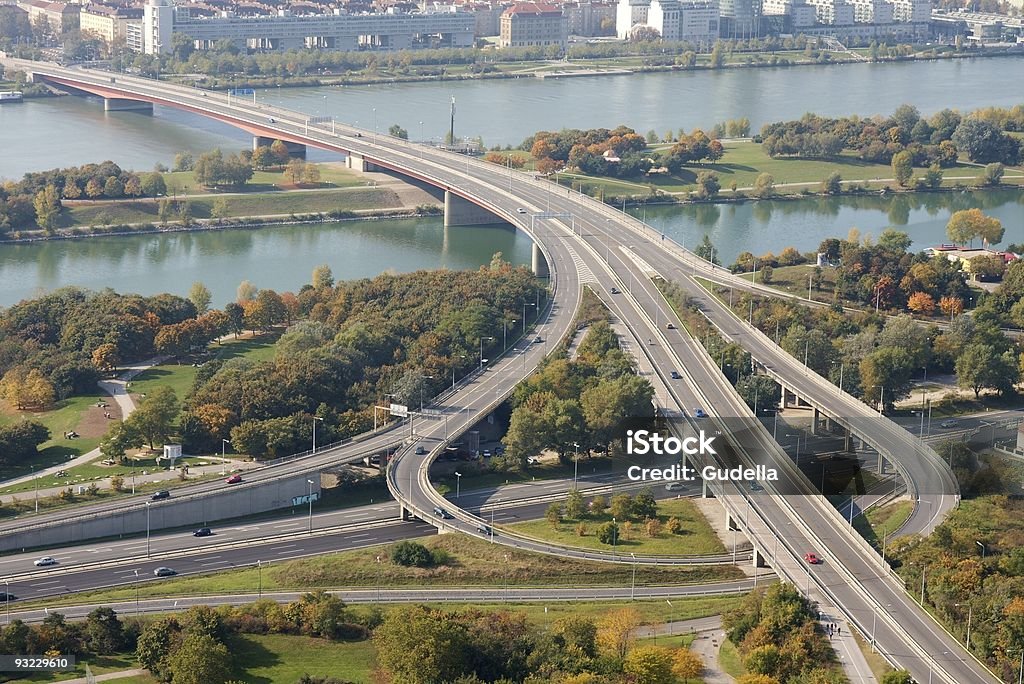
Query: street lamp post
<point x="7" y="599"/>
<point x="378" y="576"/>
<point x="136" y="591"/>
<point x="147" y="530"/>
<point x="310" y="497"/>
<point x="489" y="339"/>
<point x="259" y="574"/>
<point x="35" y="483"/>
<point x="423" y="377"/>
<point x="576" y="466"/>
<point x="526" y="304"/>
<point x="983" y="549"/>
<point x="223" y="460"/>
<point x="315" y="418"/>
<point x="458" y="484"/>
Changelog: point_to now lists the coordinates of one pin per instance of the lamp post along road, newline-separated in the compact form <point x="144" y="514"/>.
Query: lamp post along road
<point x="310" y="497"/>
<point x="315" y="419"/>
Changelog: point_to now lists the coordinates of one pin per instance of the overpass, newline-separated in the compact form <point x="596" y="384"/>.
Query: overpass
<point x="572" y="232"/>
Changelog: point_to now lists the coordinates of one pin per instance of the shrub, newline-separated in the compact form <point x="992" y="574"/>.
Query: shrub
<point x="411" y="555"/>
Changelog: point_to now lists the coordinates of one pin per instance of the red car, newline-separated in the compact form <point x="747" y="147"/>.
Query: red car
<point x="234" y="479"/>
<point x="812" y="558"/>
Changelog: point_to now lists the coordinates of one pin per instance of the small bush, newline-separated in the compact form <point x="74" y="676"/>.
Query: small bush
<point x="412" y="555"/>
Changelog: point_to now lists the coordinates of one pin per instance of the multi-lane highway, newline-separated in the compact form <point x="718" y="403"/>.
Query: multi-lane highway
<point x="852" y="574"/>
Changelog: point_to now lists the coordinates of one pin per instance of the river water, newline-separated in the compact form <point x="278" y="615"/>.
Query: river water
<point x="42" y="134"/>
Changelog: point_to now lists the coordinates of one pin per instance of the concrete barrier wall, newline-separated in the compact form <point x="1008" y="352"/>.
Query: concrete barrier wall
<point x="196" y="510"/>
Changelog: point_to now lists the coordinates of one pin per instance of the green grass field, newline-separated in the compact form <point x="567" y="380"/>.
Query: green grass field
<point x="697" y="538"/>
<point x="331" y="175"/>
<point x="730" y="660"/>
<point x="281" y="658"/>
<point x="98" y="664"/>
<point x="473" y="563"/>
<point x="256" y="204"/>
<point x="882" y="521"/>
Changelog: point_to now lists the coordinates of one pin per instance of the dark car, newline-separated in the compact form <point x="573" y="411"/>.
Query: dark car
<point x="670" y="326"/>
<point x="162" y="494"/>
<point x="420" y="451"/>
<point x="202" y="532"/>
<point x="4" y="596"/>
<point x="164" y="571"/>
<point x="485" y="530"/>
<point x="615" y="290"/>
<point x="699" y="413"/>
<point x="675" y="375"/>
<point x="441" y="513"/>
<point x="234" y="479"/>
<point x="538" y="339"/>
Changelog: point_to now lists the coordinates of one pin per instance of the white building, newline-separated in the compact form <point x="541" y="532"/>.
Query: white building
<point x="872" y="11"/>
<point x="912" y="11"/>
<point x="833" y="12"/>
<point x="630" y="13"/>
<point x="696" y="21"/>
<point x="393" y="30"/>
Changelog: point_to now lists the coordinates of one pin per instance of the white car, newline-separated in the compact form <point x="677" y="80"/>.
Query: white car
<point x="675" y="486"/>
<point x="46" y="560"/>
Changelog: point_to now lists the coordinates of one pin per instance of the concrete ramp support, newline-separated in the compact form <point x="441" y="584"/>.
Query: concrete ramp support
<point x="359" y="164"/>
<point x="294" y="149"/>
<point x="539" y="263"/>
<point x="760" y="561"/>
<point x="462" y="212"/>
<point x="117" y="104"/>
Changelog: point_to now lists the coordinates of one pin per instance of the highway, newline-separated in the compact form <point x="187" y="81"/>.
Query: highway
<point x="852" y="574"/>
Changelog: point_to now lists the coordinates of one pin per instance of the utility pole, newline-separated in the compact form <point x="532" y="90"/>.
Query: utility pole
<point x="451" y="130"/>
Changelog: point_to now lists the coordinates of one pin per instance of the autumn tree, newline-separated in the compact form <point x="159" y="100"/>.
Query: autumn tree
<point x="200" y="659"/>
<point x="199" y="295"/>
<point x="246" y="292"/>
<point x="967" y="224"/>
<point x="153" y="420"/>
<point x="27" y="388"/>
<point x="294" y="169"/>
<point x="616" y="631"/>
<point x="922" y="303"/>
<point x="650" y="665"/>
<point x="764" y="186"/>
<point x="47" y="206"/>
<point x="322" y="277"/>
<point x="105" y="357"/>
<point x="902" y="167"/>
<point x="686" y="664"/>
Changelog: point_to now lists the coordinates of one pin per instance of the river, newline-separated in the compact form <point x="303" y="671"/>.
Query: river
<point x="42" y="134"/>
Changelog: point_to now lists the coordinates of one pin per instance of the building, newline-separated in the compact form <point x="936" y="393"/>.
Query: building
<point x="531" y="24"/>
<point x="586" y="18"/>
<point x="109" y="23"/>
<point x="740" y="18"/>
<point x="60" y="16"/>
<point x="391" y="30"/>
<point x="872" y="11"/>
<point x="912" y="11"/>
<point x="630" y="13"/>
<point x="833" y="12"/>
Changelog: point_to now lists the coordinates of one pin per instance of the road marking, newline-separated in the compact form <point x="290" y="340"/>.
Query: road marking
<point x="41" y="584"/>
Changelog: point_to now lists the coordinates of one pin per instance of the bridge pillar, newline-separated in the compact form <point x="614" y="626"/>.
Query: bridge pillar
<point x="294" y="149"/>
<point x="848" y="440"/>
<point x="358" y="163"/>
<point x="117" y="104"/>
<point x="814" y="421"/>
<point x="759" y="560"/>
<point x="731" y="523"/>
<point x="539" y="263"/>
<point x="462" y="212"/>
<point x="404" y="514"/>
<point x="786" y="395"/>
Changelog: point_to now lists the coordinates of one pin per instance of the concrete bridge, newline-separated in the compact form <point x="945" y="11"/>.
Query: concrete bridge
<point x="584" y="242"/>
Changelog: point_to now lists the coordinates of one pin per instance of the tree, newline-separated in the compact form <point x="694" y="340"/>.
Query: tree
<point x="706" y="250"/>
<point x="221" y="208"/>
<point x="922" y="303"/>
<point x="885" y="374"/>
<point x="967" y="224"/>
<point x="200" y="659"/>
<point x="236" y="315"/>
<point x="993" y="174"/>
<point x="832" y="185"/>
<point x="133" y="187"/>
<point x="263" y="157"/>
<point x="398" y="132"/>
<point x="616" y="631"/>
<point x="717" y="55"/>
<point x="165" y="210"/>
<point x="951" y="306"/>
<point x="154" y="645"/>
<point x="650" y="665"/>
<point x="767" y="274"/>
<point x="759" y="390"/>
<point x="708" y="184"/>
<point x="183" y="161"/>
<point x="47" y="205"/>
<point x="984" y="142"/>
<point x="764" y="186"/>
<point x="622" y="506"/>
<point x="311" y="174"/>
<point x="105" y="357"/>
<point x="20" y="441"/>
<point x="153" y="185"/>
<point x="575" y="507"/>
<point x="411" y="554"/>
<point x="903" y="167"/>
<point x="322" y="277"/>
<point x="897" y="677"/>
<point x="104" y="632"/>
<point x="246" y="292"/>
<point x="294" y="169"/>
<point x="553" y="513"/>
<point x="422" y="645"/>
<point x="280" y="151"/>
<point x="113" y="188"/>
<point x="199" y="295"/>
<point x="932" y="177"/>
<point x="981" y="365"/>
<point x="154" y="418"/>
<point x="93" y="189"/>
<point x="27" y="388"/>
<point x="608" y="533"/>
<point x="686" y="664"/>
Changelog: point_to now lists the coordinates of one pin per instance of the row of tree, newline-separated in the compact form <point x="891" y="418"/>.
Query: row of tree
<point x="938" y="139"/>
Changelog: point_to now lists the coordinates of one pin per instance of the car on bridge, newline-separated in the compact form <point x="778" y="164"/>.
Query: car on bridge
<point x="615" y="290"/>
<point x="420" y="451"/>
<point x="44" y="561"/>
<point x="441" y="513"/>
<point x="202" y="532"/>
<point x="675" y="375"/>
<point x="520" y="210"/>
<point x="949" y="423"/>
<point x="234" y="479"/>
<point x="162" y="494"/>
<point x="812" y="559"/>
<point x="485" y="530"/>
<point x="164" y="571"/>
<point x="698" y="412"/>
<point x="670" y="326"/>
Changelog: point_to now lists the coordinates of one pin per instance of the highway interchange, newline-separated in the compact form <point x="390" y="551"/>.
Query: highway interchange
<point x="587" y="243"/>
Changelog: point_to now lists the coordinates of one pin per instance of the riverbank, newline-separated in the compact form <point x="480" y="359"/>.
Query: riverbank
<point x="623" y="65"/>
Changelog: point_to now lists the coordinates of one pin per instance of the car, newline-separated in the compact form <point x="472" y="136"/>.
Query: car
<point x="485" y="530"/>
<point x="234" y="479"/>
<point x="441" y="513"/>
<point x="202" y="532"/>
<point x="487" y="453"/>
<point x="164" y="571"/>
<point x="675" y="486"/>
<point x="4" y="596"/>
<point x="538" y="339"/>
<point x="670" y="326"/>
<point x="615" y="290"/>
<point x="420" y="451"/>
<point x="162" y="494"/>
<point x="699" y="413"/>
<point x="359" y="135"/>
<point x="812" y="559"/>
<point x="755" y="487"/>
<point x="675" y="375"/>
<point x="44" y="561"/>
<point x="520" y="210"/>
<point x="271" y="119"/>
<point x="949" y="423"/>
